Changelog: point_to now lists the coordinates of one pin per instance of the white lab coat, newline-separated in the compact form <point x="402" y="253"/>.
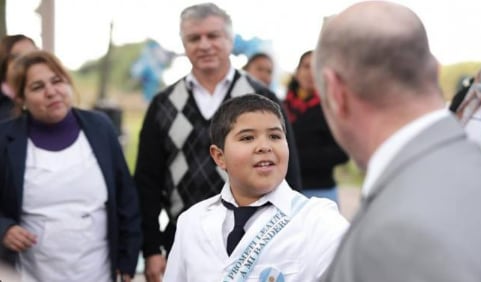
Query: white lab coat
<point x="302" y="251"/>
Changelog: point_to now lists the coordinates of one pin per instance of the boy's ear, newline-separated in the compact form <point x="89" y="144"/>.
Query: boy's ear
<point x="218" y="156"/>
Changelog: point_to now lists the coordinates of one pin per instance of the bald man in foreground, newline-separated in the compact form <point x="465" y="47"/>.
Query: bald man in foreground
<point x="420" y="214"/>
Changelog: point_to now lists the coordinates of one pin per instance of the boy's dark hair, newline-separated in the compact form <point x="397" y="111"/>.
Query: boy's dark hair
<point x="229" y="111"/>
<point x="6" y="46"/>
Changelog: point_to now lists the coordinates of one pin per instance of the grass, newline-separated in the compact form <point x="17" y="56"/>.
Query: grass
<point x="130" y="102"/>
<point x="132" y="123"/>
<point x="348" y="175"/>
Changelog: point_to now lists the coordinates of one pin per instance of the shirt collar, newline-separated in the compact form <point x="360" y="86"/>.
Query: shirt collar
<point x="192" y="80"/>
<point x="280" y="197"/>
<point x="391" y="146"/>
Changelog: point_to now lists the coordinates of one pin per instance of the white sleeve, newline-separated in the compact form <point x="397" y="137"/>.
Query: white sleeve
<point x="175" y="270"/>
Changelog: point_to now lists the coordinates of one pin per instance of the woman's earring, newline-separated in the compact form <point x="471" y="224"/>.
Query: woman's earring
<point x="24" y="107"/>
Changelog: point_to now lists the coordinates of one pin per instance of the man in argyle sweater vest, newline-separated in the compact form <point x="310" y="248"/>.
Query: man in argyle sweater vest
<point x="174" y="169"/>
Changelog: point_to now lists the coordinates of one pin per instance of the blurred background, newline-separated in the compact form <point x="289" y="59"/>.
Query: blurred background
<point x="121" y="52"/>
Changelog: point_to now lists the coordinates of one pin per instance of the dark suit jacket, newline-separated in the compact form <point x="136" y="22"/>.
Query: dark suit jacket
<point x="421" y="220"/>
<point x="124" y="234"/>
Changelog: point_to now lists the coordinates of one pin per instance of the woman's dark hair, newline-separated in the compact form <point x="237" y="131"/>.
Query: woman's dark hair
<point x="6" y="46"/>
<point x="293" y="83"/>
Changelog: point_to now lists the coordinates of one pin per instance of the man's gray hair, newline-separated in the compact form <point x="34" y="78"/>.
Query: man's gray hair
<point x="204" y="10"/>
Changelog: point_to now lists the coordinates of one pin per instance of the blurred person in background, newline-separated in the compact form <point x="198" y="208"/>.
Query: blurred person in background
<point x="260" y="66"/>
<point x="466" y="104"/>
<point x="174" y="169"/>
<point x="318" y="152"/>
<point x="11" y="46"/>
<point x="68" y="205"/>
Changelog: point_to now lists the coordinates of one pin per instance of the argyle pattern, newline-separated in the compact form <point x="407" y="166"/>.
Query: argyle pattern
<point x="193" y="175"/>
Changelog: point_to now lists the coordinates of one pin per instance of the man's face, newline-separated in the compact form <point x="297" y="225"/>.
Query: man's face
<point x="206" y="44"/>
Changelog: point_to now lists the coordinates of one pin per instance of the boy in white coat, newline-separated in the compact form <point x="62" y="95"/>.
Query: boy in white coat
<point x="288" y="237"/>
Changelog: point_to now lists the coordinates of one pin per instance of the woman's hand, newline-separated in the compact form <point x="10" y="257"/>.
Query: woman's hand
<point x="123" y="277"/>
<point x="155" y="268"/>
<point x="18" y="239"/>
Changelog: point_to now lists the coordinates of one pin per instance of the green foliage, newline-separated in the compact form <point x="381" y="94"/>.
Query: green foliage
<point x="349" y="175"/>
<point x="451" y="75"/>
<point x="132" y="125"/>
<point x="122" y="58"/>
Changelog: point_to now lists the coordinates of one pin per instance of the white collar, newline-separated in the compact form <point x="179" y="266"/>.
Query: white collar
<point x="280" y="197"/>
<point x="192" y="80"/>
<point x="392" y="145"/>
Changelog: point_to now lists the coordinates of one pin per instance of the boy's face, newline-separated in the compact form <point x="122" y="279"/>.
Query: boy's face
<point x="255" y="155"/>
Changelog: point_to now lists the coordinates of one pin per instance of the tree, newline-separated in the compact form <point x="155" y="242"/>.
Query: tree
<point x="105" y="68"/>
<point x="3" y="20"/>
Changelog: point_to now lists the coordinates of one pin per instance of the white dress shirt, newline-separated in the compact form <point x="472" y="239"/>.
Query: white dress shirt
<point x="301" y="251"/>
<point x="207" y="102"/>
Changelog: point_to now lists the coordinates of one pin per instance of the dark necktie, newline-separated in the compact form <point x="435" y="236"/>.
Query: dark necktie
<point x="241" y="216"/>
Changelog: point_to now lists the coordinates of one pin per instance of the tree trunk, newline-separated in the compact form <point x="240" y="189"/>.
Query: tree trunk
<point x="105" y="68"/>
<point x="3" y="18"/>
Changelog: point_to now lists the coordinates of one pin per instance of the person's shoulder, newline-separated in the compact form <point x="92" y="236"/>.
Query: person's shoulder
<point x="322" y="204"/>
<point x="199" y="208"/>
<point x="313" y="206"/>
<point x="167" y="91"/>
<point x="323" y="209"/>
<point x="94" y="116"/>
<point x="321" y="217"/>
<point x="95" y="121"/>
<point x="164" y="96"/>
<point x="5" y="126"/>
<point x="258" y="87"/>
<point x="6" y="123"/>
<point x="11" y="124"/>
<point x="205" y="203"/>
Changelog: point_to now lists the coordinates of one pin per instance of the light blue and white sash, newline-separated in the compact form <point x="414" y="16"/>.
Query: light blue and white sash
<point x="243" y="266"/>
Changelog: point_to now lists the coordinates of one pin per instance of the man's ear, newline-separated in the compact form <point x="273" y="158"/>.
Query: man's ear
<point x="336" y="92"/>
<point x="218" y="156"/>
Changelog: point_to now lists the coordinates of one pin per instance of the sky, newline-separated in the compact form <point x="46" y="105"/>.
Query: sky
<point x="292" y="27"/>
